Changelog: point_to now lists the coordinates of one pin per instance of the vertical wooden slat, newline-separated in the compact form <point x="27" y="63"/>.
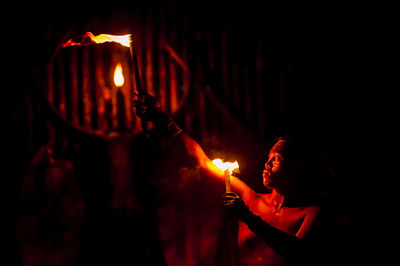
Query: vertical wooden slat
<point x="30" y="111"/>
<point x="247" y="87"/>
<point x="50" y="93"/>
<point x="186" y="73"/>
<point x="211" y="77"/>
<point x="121" y="111"/>
<point x="210" y="50"/>
<point x="162" y="63"/>
<point x="172" y="67"/>
<point x="149" y="67"/>
<point x="126" y="91"/>
<point x="50" y="82"/>
<point x="74" y="86"/>
<point x="224" y="64"/>
<point x="86" y="89"/>
<point x="202" y="106"/>
<point x="235" y="79"/>
<point x="61" y="87"/>
<point x="260" y="96"/>
<point x="100" y="87"/>
<point x="282" y="99"/>
<point x="93" y="91"/>
<point x="173" y="81"/>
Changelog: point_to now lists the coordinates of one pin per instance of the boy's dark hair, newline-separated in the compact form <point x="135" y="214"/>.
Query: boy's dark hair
<point x="312" y="171"/>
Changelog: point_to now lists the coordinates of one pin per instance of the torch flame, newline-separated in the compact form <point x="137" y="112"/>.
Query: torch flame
<point x="225" y="165"/>
<point x="89" y="38"/>
<point x="118" y="76"/>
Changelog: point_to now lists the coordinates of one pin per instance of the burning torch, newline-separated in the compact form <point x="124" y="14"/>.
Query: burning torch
<point x="124" y="40"/>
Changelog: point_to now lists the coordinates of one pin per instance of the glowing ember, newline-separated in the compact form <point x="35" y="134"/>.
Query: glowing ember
<point x="118" y="76"/>
<point x="89" y="38"/>
<point x="225" y="165"/>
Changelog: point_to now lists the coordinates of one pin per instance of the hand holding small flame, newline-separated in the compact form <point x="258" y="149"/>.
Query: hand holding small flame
<point x="231" y="200"/>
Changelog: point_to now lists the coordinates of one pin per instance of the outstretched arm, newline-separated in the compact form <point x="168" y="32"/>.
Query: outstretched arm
<point x="147" y="108"/>
<point x="195" y="151"/>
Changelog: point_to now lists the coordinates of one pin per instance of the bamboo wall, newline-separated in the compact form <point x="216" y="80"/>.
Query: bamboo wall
<point x="225" y="82"/>
<point x="203" y="74"/>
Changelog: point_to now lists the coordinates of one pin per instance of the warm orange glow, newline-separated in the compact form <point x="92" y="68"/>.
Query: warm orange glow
<point x="225" y="165"/>
<point x="118" y="76"/>
<point x="89" y="38"/>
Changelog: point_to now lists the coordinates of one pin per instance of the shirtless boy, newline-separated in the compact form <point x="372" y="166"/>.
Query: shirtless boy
<point x="278" y="228"/>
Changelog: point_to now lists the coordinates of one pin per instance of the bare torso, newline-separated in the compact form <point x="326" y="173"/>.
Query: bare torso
<point x="292" y="220"/>
<point x="296" y="221"/>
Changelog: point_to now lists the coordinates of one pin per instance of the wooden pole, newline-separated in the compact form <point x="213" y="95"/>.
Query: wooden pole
<point x="138" y="82"/>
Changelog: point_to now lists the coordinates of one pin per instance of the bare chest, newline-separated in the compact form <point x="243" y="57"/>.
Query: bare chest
<point x="253" y="250"/>
<point x="286" y="219"/>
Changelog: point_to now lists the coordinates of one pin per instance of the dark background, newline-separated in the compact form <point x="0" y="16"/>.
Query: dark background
<point x="330" y="50"/>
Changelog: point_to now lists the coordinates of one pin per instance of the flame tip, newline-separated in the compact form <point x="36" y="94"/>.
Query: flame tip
<point x="89" y="38"/>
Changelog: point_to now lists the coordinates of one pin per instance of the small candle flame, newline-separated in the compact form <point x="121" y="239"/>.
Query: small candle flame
<point x="225" y="165"/>
<point x="89" y="38"/>
<point x="118" y="76"/>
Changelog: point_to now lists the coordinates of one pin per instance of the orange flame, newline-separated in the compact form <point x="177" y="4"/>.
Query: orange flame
<point x="225" y="165"/>
<point x="89" y="38"/>
<point x="118" y="76"/>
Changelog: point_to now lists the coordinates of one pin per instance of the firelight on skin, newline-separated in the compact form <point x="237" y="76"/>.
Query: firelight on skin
<point x="272" y="168"/>
<point x="295" y="221"/>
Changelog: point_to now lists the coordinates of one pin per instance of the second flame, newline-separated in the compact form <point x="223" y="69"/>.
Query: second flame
<point x="118" y="76"/>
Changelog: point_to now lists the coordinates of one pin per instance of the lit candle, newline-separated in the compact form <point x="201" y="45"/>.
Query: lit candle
<point x="227" y="181"/>
<point x="228" y="168"/>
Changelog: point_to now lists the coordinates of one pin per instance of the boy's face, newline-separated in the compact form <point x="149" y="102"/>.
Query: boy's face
<point x="275" y="168"/>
